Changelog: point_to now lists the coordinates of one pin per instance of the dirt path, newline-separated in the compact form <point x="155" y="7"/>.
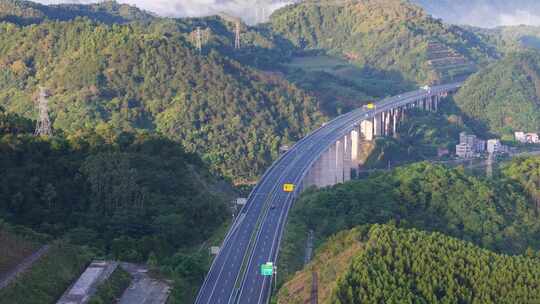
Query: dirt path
<point x="10" y="276"/>
<point x="314" y="288"/>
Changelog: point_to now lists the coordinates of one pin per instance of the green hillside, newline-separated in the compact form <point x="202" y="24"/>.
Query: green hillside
<point x="504" y="97"/>
<point x="127" y="196"/>
<point x="49" y="277"/>
<point x="28" y="12"/>
<point x="495" y="214"/>
<point x="125" y="77"/>
<point x="390" y="265"/>
<point x="139" y="190"/>
<point x="390" y="36"/>
<point x="509" y="39"/>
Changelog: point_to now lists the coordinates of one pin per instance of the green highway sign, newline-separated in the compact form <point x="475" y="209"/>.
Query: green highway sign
<point x="267" y="269"/>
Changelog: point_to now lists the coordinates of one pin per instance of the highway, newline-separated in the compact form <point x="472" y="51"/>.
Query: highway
<point x="255" y="236"/>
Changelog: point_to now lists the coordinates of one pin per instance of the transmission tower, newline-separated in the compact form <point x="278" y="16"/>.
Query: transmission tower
<point x="237" y="36"/>
<point x="43" y="126"/>
<point x="199" y="39"/>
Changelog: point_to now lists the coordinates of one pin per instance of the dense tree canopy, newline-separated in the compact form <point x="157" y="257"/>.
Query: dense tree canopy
<point x="28" y="12"/>
<point x="387" y="35"/>
<point x="493" y="214"/>
<point x="410" y="266"/>
<point x="125" y="77"/>
<point x="135" y="189"/>
<point x="505" y="96"/>
<point x="385" y="264"/>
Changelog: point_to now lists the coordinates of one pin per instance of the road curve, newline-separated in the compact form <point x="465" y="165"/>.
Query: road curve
<point x="255" y="236"/>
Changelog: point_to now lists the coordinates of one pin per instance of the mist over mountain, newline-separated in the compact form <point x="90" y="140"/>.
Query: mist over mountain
<point x="249" y="10"/>
<point x="484" y="13"/>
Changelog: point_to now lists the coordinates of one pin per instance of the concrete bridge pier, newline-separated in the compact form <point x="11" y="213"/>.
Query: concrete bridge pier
<point x="377" y="124"/>
<point x="367" y="129"/>
<point x="395" y="117"/>
<point x="387" y="118"/>
<point x="339" y="166"/>
<point x="338" y="162"/>
<point x="347" y="158"/>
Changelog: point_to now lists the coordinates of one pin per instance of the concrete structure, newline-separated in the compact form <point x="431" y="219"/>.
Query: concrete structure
<point x="494" y="146"/>
<point x="469" y="142"/>
<point x="214" y="250"/>
<point x="479" y="146"/>
<point x="325" y="157"/>
<point x="520" y="137"/>
<point x="463" y="150"/>
<point x="241" y="201"/>
<point x="95" y="274"/>
<point x="532" y="138"/>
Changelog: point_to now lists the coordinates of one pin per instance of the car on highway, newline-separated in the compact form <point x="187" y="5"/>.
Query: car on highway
<point x="370" y="106"/>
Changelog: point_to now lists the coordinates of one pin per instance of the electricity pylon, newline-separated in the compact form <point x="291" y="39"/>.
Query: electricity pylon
<point x="43" y="126"/>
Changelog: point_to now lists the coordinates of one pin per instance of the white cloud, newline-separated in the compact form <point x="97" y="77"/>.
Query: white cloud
<point x="520" y="17"/>
<point x="246" y="9"/>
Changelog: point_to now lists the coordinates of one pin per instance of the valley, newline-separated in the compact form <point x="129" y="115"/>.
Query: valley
<point x="159" y="125"/>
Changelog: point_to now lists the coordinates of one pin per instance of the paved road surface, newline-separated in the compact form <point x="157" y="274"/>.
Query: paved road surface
<point x="255" y="238"/>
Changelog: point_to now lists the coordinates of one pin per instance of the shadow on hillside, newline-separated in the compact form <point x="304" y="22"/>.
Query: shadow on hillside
<point x="479" y="127"/>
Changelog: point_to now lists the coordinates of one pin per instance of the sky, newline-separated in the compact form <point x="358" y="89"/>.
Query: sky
<point x="182" y="8"/>
<point x="485" y="13"/>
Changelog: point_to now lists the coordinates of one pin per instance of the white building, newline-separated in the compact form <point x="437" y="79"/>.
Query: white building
<point x="494" y="146"/>
<point x="520" y="137"/>
<point x="475" y="144"/>
<point x="532" y="138"/>
<point x="527" y="138"/>
<point x="463" y="150"/>
<point x="469" y="139"/>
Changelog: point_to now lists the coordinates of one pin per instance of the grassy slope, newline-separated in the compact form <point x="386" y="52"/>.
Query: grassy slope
<point x="13" y="250"/>
<point x="16" y="243"/>
<point x="49" y="277"/>
<point x="389" y="265"/>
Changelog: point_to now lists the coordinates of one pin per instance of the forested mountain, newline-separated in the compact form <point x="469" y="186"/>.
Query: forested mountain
<point x="384" y="264"/>
<point x="510" y="39"/>
<point x="28" y="12"/>
<point x="392" y="36"/>
<point x="496" y="215"/>
<point x="127" y="196"/>
<point x="125" y="77"/>
<point x="504" y="97"/>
